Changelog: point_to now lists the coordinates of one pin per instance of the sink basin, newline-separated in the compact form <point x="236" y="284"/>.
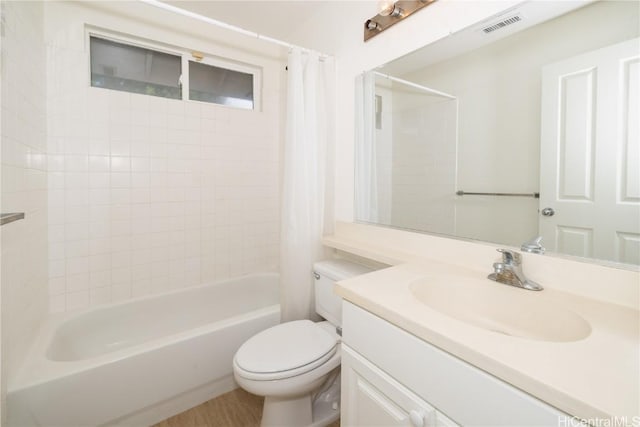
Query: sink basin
<point x="501" y="309"/>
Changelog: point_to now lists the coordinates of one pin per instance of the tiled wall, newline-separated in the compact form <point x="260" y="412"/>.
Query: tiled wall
<point x="424" y="162"/>
<point x="24" y="179"/>
<point x="148" y="194"/>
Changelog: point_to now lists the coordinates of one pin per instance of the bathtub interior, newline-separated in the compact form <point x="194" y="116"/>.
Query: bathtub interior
<point x="116" y="327"/>
<point x="164" y="370"/>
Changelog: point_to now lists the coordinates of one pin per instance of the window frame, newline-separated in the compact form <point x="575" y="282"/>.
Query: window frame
<point x="255" y="72"/>
<point x="186" y="56"/>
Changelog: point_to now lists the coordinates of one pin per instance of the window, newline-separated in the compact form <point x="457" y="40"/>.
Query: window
<point x="218" y="85"/>
<point x="170" y="73"/>
<point x="134" y="69"/>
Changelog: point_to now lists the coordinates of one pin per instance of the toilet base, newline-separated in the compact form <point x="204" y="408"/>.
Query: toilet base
<point x="317" y="409"/>
<point x="326" y="403"/>
<point x="281" y="412"/>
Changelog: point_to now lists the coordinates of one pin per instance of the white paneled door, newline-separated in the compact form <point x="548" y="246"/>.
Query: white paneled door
<point x="590" y="154"/>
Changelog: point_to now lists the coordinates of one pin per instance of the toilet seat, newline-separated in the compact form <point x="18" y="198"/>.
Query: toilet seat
<point x="284" y="351"/>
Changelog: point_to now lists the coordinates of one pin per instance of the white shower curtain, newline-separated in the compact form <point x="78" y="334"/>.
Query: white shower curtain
<point x="306" y="181"/>
<point x="366" y="179"/>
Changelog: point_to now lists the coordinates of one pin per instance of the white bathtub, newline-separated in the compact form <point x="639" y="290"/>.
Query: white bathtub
<point x="139" y="362"/>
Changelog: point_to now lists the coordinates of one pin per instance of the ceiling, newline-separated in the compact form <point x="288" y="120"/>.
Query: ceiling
<point x="277" y="19"/>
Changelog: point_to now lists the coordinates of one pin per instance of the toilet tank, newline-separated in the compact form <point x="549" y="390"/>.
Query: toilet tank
<point x="326" y="273"/>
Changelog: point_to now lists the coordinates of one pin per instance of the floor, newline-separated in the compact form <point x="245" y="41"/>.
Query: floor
<point x="234" y="409"/>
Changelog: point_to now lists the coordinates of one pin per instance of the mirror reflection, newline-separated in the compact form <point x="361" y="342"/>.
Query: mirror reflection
<point x="522" y="126"/>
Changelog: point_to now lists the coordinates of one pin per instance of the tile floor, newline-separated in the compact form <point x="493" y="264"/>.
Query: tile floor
<point x="234" y="409"/>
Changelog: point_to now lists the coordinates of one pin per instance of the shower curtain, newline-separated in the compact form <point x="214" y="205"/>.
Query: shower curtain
<point x="307" y="197"/>
<point x="366" y="175"/>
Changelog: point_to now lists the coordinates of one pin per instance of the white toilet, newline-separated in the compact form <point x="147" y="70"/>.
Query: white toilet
<point x="295" y="365"/>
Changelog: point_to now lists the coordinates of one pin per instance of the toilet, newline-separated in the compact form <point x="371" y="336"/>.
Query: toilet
<point x="296" y="365"/>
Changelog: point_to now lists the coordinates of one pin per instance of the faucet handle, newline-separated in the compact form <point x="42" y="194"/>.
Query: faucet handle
<point x="534" y="246"/>
<point x="510" y="257"/>
<point x="498" y="267"/>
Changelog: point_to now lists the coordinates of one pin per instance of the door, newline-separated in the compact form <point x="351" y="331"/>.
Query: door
<point x="590" y="154"/>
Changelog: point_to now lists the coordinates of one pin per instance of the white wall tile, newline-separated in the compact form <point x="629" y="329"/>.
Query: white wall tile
<point x="57" y="285"/>
<point x="76" y="162"/>
<point x="77" y="282"/>
<point x="99" y="180"/>
<point x="76" y="265"/>
<point x="154" y="194"/>
<point x="120" y="164"/>
<point x="99" y="246"/>
<point x="77" y="248"/>
<point x="99" y="145"/>
<point x="98" y="263"/>
<point x="76" y="300"/>
<point x="119" y="147"/>
<point x="98" y="279"/>
<point x="57" y="303"/>
<point x="121" y="276"/>
<point x="99" y="296"/>
<point x="99" y="163"/>
<point x="120" y="179"/>
<point x="121" y="195"/>
<point x="120" y="292"/>
<point x="99" y="196"/>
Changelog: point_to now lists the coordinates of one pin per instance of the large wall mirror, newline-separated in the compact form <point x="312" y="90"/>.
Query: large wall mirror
<point x="525" y="125"/>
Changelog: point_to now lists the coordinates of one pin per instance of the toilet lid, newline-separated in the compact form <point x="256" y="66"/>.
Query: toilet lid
<point x="298" y="346"/>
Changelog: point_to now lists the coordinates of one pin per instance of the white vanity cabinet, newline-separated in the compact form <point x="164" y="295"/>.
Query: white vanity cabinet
<point x="370" y="397"/>
<point x="392" y="378"/>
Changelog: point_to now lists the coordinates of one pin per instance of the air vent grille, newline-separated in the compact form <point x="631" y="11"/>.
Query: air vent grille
<point x="502" y="24"/>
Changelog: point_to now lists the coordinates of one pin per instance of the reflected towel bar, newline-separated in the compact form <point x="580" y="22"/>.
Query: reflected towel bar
<point x="465" y="193"/>
<point x="6" y="218"/>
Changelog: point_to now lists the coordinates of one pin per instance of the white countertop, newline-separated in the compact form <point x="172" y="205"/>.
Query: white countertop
<point x="593" y="378"/>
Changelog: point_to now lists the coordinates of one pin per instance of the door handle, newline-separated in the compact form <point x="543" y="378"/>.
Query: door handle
<point x="548" y="212"/>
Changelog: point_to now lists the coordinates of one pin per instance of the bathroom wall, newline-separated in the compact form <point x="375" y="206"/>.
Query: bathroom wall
<point x="424" y="161"/>
<point x="24" y="180"/>
<point x="148" y="194"/>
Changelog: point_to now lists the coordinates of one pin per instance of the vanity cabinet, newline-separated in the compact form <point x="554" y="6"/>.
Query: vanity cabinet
<point x="390" y="377"/>
<point x="373" y="398"/>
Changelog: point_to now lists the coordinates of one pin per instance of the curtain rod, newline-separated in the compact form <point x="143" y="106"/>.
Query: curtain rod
<point x="415" y="85"/>
<point x="224" y="25"/>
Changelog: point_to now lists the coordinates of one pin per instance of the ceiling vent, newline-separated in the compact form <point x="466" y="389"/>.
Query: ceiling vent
<point x="503" y="23"/>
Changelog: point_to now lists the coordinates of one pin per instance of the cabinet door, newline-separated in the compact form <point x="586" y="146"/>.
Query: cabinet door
<point x="372" y="398"/>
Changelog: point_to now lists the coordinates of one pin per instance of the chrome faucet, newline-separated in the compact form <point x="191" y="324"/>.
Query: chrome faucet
<point x="509" y="271"/>
<point x="533" y="246"/>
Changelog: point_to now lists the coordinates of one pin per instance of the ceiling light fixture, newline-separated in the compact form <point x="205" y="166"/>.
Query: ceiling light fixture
<point x="391" y="13"/>
<point x="373" y="25"/>
<point x="385" y="7"/>
<point x="392" y="10"/>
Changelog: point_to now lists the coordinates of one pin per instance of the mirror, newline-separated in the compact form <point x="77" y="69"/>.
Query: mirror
<point x="523" y="125"/>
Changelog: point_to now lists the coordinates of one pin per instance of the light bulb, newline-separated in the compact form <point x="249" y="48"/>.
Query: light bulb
<point x="385" y="7"/>
<point x="373" y="25"/>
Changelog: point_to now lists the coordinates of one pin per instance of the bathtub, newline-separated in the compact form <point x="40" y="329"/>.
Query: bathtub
<point x="139" y="362"/>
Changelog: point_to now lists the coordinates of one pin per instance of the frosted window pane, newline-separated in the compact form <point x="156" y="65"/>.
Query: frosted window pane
<point x="134" y="69"/>
<point x="220" y="85"/>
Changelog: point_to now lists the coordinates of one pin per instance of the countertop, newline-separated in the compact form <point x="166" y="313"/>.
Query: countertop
<point x="593" y="378"/>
